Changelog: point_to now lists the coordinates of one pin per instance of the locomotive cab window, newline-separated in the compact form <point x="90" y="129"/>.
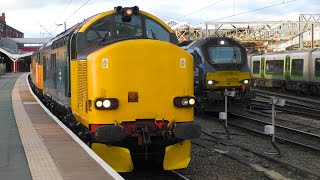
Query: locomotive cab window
<point x="317" y="67"/>
<point x="196" y="57"/>
<point x="224" y="55"/>
<point x="128" y="29"/>
<point x="100" y="31"/>
<point x="116" y="27"/>
<point x="155" y="31"/>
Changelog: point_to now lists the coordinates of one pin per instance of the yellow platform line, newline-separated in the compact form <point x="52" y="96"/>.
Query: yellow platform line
<point x="40" y="161"/>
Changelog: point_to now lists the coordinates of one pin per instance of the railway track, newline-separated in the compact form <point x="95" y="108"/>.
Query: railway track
<point x="148" y="173"/>
<point x="282" y="133"/>
<point x="291" y="107"/>
<point x="312" y="102"/>
<point x="243" y="157"/>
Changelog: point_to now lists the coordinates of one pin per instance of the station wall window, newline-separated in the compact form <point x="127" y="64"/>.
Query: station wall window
<point x="317" y="67"/>
<point x="297" y="67"/>
<point x="274" y="66"/>
<point x="53" y="61"/>
<point x="256" y="67"/>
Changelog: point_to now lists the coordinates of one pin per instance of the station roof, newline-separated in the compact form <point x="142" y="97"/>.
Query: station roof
<point x="15" y="57"/>
<point x="31" y="40"/>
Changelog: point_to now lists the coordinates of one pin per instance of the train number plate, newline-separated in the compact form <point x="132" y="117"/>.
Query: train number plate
<point x="232" y="79"/>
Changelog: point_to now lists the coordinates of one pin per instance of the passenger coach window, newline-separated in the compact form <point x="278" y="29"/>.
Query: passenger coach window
<point x="256" y="67"/>
<point x="274" y="66"/>
<point x="297" y="67"/>
<point x="127" y="29"/>
<point x="317" y="67"/>
<point x="223" y="55"/>
<point x="156" y="31"/>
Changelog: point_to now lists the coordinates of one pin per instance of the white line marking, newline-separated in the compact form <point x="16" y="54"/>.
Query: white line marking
<point x="102" y="163"/>
<point x="30" y="103"/>
<point x="179" y="175"/>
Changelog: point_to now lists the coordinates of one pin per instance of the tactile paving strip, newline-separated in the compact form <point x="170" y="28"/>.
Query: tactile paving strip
<point x="40" y="162"/>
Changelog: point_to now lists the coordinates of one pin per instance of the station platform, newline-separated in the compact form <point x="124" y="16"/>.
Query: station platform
<point x="36" y="145"/>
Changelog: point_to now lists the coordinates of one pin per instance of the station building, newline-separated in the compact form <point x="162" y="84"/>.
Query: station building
<point x="15" y="50"/>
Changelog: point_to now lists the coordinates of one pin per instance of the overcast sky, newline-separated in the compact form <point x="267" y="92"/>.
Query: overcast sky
<point x="35" y="18"/>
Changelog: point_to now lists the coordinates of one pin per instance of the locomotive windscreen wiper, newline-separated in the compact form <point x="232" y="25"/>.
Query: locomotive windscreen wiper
<point x="119" y="39"/>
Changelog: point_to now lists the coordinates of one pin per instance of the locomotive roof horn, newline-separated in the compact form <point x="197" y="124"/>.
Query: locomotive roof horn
<point x="119" y="9"/>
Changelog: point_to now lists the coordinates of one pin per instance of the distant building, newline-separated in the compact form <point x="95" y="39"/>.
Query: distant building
<point x="7" y="31"/>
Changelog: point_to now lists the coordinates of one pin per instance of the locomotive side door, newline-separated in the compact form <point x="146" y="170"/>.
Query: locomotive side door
<point x="287" y="68"/>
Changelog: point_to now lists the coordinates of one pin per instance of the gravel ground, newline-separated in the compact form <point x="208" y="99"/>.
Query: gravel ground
<point x="208" y="164"/>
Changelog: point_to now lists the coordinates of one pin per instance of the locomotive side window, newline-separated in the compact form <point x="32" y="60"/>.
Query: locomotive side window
<point x="223" y="55"/>
<point x="274" y="66"/>
<point x="317" y="67"/>
<point x="256" y="67"/>
<point x="297" y="67"/>
<point x="53" y="61"/>
<point x="155" y="31"/>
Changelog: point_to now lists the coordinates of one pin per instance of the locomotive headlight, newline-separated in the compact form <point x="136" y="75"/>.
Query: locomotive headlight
<point x="210" y="82"/>
<point x="246" y="81"/>
<point x="222" y="42"/>
<point x="192" y="101"/>
<point x="106" y="103"/>
<point x="129" y="11"/>
<point x="184" y="101"/>
<point x="99" y="104"/>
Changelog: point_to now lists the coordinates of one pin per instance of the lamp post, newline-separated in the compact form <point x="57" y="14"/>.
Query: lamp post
<point x="64" y="24"/>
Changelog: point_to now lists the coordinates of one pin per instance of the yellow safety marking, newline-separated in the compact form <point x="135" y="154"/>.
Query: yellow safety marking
<point x="40" y="161"/>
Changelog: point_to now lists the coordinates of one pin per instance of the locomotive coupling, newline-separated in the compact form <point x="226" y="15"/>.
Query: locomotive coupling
<point x="109" y="133"/>
<point x="187" y="131"/>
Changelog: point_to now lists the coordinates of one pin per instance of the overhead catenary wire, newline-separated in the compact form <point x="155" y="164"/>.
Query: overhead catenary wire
<point x="66" y="6"/>
<point x="77" y="10"/>
<point x="199" y="10"/>
<point x="258" y="9"/>
<point x="61" y="13"/>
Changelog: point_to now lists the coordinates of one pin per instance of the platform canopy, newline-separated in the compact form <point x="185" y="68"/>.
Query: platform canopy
<point x="31" y="40"/>
<point x="15" y="57"/>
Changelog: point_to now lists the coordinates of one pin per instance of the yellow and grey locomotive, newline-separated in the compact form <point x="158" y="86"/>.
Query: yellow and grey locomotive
<point x="121" y="83"/>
